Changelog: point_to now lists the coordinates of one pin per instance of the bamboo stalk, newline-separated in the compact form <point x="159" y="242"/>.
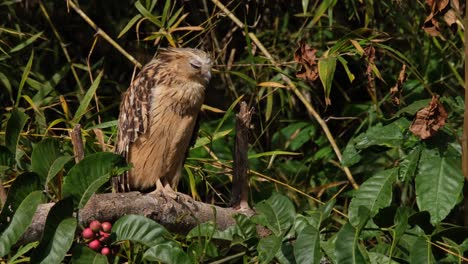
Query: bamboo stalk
<point x="296" y="91"/>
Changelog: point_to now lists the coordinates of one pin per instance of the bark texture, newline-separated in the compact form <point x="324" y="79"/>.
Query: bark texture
<point x="178" y="213"/>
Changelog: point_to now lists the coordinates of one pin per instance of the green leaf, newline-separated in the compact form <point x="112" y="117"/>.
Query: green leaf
<point x="326" y="70"/>
<point x="58" y="234"/>
<point x="350" y="155"/>
<point x="267" y="248"/>
<point x="146" y="13"/>
<point x="413" y="107"/>
<point x="305" y="6"/>
<point x="24" y="77"/>
<point x="409" y="164"/>
<point x="87" y="99"/>
<point x="23" y="185"/>
<point x="421" y="252"/>
<point x="86" y="177"/>
<point x="324" y="6"/>
<point x="203" y="230"/>
<point x="57" y="166"/>
<point x="43" y="156"/>
<point x="26" y="43"/>
<point x="307" y="246"/>
<point x="21" y="220"/>
<point x="439" y="183"/>
<point x="245" y="227"/>
<point x="390" y="135"/>
<point x="343" y="62"/>
<point x="374" y="194"/>
<point x="207" y="140"/>
<point x="347" y="246"/>
<point x="167" y="252"/>
<point x="279" y="212"/>
<point x="82" y="254"/>
<point x="227" y="113"/>
<point x="379" y="258"/>
<point x="22" y="251"/>
<point x="271" y="153"/>
<point x="13" y="129"/>
<point x="6" y="159"/>
<point x="129" y="25"/>
<point x="139" y="229"/>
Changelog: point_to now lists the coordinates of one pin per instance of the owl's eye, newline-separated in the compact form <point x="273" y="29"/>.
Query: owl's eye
<point x="195" y="65"/>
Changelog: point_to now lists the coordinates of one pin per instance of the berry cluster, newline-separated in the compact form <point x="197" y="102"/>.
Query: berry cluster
<point x="96" y="235"/>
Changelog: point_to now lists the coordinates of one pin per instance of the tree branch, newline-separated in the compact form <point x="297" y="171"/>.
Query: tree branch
<point x="178" y="215"/>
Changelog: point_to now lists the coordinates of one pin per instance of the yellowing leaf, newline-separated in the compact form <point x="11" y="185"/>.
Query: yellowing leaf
<point x="272" y="84"/>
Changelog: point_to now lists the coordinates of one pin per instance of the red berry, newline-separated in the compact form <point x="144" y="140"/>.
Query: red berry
<point x="95" y="225"/>
<point x="106" y="227"/>
<point x="87" y="233"/>
<point x="105" y="251"/>
<point x="94" y="245"/>
<point x="104" y="236"/>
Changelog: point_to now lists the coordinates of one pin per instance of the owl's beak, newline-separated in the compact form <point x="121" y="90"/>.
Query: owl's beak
<point x="206" y="73"/>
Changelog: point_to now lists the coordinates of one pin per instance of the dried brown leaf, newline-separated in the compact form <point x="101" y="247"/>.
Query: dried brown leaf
<point x="450" y="17"/>
<point x="305" y="55"/>
<point x="369" y="53"/>
<point x="429" y="119"/>
<point x="431" y="26"/>
<point x="396" y="90"/>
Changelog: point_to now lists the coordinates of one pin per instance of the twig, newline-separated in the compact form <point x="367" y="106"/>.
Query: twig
<point x="293" y="87"/>
<point x="77" y="142"/>
<point x="103" y="34"/>
<point x="240" y="180"/>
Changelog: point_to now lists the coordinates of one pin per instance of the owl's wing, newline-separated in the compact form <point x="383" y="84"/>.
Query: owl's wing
<point x="133" y="117"/>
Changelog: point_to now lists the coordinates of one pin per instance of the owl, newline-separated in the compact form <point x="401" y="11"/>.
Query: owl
<point x="158" y="117"/>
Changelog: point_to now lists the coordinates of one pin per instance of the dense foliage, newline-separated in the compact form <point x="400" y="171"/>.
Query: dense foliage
<point x="336" y="174"/>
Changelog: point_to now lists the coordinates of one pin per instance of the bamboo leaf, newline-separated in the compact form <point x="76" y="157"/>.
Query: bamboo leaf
<point x="87" y="99"/>
<point x="326" y="69"/>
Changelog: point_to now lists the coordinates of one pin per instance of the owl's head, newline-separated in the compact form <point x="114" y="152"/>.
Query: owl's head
<point x="194" y="64"/>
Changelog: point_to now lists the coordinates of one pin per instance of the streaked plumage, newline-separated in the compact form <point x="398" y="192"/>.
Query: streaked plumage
<point x="157" y="117"/>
